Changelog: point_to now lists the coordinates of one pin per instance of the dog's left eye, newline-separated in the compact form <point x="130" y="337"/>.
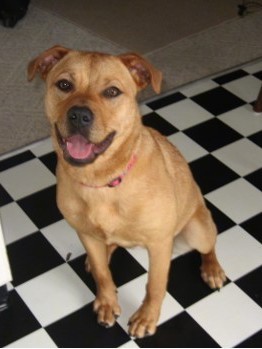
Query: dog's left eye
<point x="111" y="92"/>
<point x="64" y="85"/>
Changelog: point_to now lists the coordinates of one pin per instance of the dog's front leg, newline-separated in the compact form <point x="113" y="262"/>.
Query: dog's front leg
<point x="144" y="321"/>
<point x="105" y="305"/>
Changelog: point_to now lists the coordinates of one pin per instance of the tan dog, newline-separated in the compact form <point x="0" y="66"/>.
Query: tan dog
<point x="120" y="183"/>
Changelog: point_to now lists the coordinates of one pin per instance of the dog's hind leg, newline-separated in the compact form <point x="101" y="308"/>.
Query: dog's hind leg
<point x="106" y="304"/>
<point x="211" y="271"/>
<point x="200" y="234"/>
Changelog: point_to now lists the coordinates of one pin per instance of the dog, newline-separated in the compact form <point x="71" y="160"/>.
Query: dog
<point x="120" y="183"/>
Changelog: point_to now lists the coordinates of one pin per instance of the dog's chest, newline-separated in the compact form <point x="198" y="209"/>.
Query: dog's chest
<point x="101" y="218"/>
<point x="104" y="221"/>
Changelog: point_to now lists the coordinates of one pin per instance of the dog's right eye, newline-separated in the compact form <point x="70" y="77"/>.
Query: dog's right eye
<point x="64" y="85"/>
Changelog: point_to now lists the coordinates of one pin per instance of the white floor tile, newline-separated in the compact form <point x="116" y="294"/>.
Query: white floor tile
<point x="43" y="147"/>
<point x="131" y="296"/>
<point x="184" y="114"/>
<point x="180" y="246"/>
<point x="242" y="156"/>
<point x="141" y="255"/>
<point x="232" y="248"/>
<point x="55" y="294"/>
<point x="64" y="239"/>
<point x="198" y="87"/>
<point x="247" y="88"/>
<point x="253" y="67"/>
<point x="37" y="339"/>
<point x="243" y="120"/>
<point x="190" y="149"/>
<point x="10" y="286"/>
<point x="170" y="308"/>
<point x="239" y="200"/>
<point x="16" y="224"/>
<point x="229" y="316"/>
<point x="130" y="344"/>
<point x="144" y="109"/>
<point x="27" y="178"/>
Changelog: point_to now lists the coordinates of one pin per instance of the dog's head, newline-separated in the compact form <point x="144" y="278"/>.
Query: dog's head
<point x="90" y="98"/>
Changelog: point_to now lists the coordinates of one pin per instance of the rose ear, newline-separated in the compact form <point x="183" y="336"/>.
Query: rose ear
<point x="142" y="71"/>
<point x="45" y="61"/>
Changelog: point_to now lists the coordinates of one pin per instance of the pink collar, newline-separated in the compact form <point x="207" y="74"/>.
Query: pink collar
<point x="118" y="180"/>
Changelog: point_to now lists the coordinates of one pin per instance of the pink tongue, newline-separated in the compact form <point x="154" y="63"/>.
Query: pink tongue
<point x="78" y="147"/>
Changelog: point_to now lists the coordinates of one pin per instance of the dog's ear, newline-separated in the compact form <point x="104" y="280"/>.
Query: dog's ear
<point x="142" y="71"/>
<point x="45" y="61"/>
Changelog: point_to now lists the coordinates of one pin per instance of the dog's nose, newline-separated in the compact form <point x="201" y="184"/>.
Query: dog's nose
<point x="80" y="116"/>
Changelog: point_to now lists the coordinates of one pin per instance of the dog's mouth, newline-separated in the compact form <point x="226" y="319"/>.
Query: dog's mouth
<point x="77" y="150"/>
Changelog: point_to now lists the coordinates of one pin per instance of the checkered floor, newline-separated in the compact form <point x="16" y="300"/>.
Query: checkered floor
<point x="51" y="296"/>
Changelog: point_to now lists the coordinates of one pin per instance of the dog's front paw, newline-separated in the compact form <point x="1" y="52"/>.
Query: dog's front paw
<point x="143" y="323"/>
<point x="107" y="311"/>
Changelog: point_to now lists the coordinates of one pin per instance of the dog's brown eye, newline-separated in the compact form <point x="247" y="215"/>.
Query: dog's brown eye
<point x="112" y="92"/>
<point x="64" y="85"/>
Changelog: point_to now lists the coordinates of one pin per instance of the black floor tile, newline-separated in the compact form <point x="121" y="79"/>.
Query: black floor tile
<point x="3" y="297"/>
<point x="41" y="207"/>
<point x="158" y="123"/>
<point x="163" y="102"/>
<point x="251" y="284"/>
<point x="81" y="330"/>
<point x="179" y="332"/>
<point x="16" y="160"/>
<point x="17" y="321"/>
<point x="258" y="75"/>
<point x="123" y="266"/>
<point x="50" y="160"/>
<point x="5" y="198"/>
<point x="255" y="178"/>
<point x="30" y="257"/>
<point x="185" y="283"/>
<point x="78" y="265"/>
<point x="253" y="226"/>
<point x="218" y="101"/>
<point x="210" y="173"/>
<point x="257" y="138"/>
<point x="212" y="134"/>
<point x="225" y="78"/>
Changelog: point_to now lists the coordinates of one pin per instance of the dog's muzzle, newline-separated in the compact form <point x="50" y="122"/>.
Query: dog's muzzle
<point x="77" y="149"/>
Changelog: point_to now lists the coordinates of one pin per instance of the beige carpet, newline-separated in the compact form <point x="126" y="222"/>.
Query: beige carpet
<point x="144" y="25"/>
<point x="186" y="44"/>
